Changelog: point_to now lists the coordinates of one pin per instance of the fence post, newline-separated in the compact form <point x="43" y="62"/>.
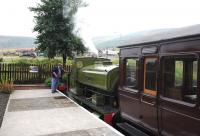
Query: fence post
<point x="15" y="73"/>
<point x="39" y="73"/>
<point x="0" y="70"/>
<point x="5" y="71"/>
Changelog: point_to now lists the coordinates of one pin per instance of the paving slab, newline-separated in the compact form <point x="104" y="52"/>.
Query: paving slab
<point x="39" y="103"/>
<point x="38" y="112"/>
<point x="36" y="93"/>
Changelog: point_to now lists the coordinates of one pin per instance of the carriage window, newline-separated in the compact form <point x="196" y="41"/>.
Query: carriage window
<point x="180" y="78"/>
<point x="131" y="80"/>
<point x="150" y="76"/>
<point x="194" y="75"/>
<point x="178" y="73"/>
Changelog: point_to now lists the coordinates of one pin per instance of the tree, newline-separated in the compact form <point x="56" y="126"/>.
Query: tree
<point x="55" y="31"/>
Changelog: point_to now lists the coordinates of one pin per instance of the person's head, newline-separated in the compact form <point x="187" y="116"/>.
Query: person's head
<point x="60" y="64"/>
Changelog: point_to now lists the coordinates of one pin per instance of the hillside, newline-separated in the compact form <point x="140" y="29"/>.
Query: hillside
<point x="13" y="42"/>
<point x="115" y="41"/>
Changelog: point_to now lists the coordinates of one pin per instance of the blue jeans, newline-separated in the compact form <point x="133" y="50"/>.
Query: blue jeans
<point x="54" y="84"/>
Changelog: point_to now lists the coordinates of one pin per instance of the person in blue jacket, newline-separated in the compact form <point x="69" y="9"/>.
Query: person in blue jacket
<point x="57" y="72"/>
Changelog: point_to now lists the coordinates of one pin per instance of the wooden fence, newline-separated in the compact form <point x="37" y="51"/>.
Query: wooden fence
<point x="26" y="73"/>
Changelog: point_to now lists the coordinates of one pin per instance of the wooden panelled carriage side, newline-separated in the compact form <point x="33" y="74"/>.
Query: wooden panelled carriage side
<point x="163" y="96"/>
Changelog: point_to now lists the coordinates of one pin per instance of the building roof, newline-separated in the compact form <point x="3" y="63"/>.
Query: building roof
<point x="162" y="34"/>
<point x="25" y="49"/>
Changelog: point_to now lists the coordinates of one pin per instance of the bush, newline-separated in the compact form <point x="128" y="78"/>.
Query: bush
<point x="47" y="61"/>
<point x="6" y="86"/>
<point x="23" y="61"/>
<point x="65" y="78"/>
<point x="1" y="59"/>
<point x="47" y="82"/>
<point x="115" y="61"/>
<point x="40" y="61"/>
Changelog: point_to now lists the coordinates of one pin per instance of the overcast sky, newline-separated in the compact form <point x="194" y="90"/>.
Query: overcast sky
<point x="106" y="17"/>
<point x="15" y="17"/>
<point x="103" y="17"/>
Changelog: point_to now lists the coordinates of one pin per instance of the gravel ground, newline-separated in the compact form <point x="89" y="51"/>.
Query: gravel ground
<point x="3" y="103"/>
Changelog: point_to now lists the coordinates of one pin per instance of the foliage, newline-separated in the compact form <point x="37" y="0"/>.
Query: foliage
<point x="115" y="61"/>
<point x="65" y="78"/>
<point x="54" y="30"/>
<point x="1" y="59"/>
<point x="38" y="61"/>
<point x="47" y="82"/>
<point x="6" y="86"/>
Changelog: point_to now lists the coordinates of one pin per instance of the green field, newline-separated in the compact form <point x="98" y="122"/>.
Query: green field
<point x="30" y="60"/>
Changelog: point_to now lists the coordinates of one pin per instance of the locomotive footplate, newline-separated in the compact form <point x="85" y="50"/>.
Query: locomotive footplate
<point x="101" y="109"/>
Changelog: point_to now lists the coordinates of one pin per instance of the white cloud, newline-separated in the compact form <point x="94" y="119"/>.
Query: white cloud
<point x="104" y="17"/>
<point x="15" y="17"/>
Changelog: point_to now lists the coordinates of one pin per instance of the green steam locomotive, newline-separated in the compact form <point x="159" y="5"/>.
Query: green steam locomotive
<point x="93" y="83"/>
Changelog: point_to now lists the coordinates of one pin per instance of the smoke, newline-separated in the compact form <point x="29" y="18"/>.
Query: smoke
<point x="87" y="40"/>
<point x="83" y="30"/>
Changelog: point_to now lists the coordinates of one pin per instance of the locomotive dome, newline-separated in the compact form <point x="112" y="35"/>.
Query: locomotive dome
<point x="99" y="68"/>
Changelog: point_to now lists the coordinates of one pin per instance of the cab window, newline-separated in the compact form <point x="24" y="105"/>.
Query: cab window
<point x="131" y="73"/>
<point x="180" y="78"/>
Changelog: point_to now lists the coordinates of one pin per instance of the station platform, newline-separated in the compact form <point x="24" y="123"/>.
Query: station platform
<point x="39" y="112"/>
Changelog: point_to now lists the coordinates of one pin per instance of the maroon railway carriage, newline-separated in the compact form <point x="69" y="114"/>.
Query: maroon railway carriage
<point x="159" y="89"/>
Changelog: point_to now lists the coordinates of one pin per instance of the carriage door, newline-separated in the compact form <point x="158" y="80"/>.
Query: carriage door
<point x="148" y="98"/>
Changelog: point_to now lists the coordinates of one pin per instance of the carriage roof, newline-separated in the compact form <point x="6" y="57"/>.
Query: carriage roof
<point x="156" y="36"/>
